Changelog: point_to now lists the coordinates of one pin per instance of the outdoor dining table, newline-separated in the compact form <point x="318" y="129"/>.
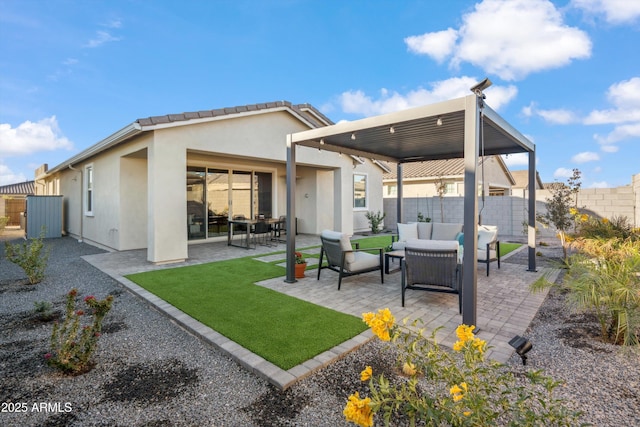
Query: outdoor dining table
<point x="249" y="224"/>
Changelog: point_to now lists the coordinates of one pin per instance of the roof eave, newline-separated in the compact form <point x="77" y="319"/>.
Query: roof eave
<point x="112" y="140"/>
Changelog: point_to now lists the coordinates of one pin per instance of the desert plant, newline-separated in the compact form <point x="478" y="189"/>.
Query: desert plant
<point x="375" y="219"/>
<point x="441" y="188"/>
<point x="604" y="278"/>
<point x="4" y="220"/>
<point x="71" y="344"/>
<point x="43" y="310"/>
<point x="31" y="256"/>
<point x="617" y="227"/>
<point x="422" y="218"/>
<point x="561" y="210"/>
<point x="462" y="388"/>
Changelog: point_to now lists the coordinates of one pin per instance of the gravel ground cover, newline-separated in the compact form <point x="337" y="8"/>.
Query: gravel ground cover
<point x="150" y="372"/>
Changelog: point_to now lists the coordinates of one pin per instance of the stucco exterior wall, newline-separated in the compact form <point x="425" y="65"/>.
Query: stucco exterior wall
<point x="140" y="193"/>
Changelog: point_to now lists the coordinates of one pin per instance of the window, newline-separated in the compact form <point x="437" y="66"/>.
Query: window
<point x="392" y="190"/>
<point x="450" y="188"/>
<point x="88" y="190"/>
<point x="359" y="191"/>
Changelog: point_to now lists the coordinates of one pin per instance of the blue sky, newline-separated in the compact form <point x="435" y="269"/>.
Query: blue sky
<point x="565" y="73"/>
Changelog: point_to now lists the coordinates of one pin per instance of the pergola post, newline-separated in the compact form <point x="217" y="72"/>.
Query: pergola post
<point x="531" y="229"/>
<point x="470" y="259"/>
<point x="399" y="200"/>
<point x="291" y="211"/>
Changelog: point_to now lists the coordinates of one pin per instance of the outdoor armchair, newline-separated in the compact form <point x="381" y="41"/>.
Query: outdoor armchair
<point x="488" y="245"/>
<point x="345" y="260"/>
<point x="432" y="266"/>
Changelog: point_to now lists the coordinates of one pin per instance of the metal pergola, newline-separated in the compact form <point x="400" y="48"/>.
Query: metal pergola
<point x="459" y="128"/>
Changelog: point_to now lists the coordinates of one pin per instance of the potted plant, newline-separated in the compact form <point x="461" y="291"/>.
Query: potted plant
<point x="301" y="265"/>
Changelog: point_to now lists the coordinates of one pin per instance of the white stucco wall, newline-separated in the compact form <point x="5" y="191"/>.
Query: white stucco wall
<point x="140" y="191"/>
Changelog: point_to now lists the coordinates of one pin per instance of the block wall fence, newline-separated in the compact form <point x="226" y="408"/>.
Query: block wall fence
<point x="509" y="212"/>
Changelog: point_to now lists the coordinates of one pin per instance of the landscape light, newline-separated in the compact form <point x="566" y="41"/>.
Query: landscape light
<point x="522" y="346"/>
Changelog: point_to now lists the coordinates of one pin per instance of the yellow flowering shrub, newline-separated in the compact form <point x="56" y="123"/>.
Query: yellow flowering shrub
<point x="459" y="388"/>
<point x="380" y="323"/>
<point x="358" y="410"/>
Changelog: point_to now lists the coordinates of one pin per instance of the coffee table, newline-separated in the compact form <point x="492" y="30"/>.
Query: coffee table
<point x="388" y="256"/>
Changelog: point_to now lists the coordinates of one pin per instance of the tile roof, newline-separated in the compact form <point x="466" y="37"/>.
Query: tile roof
<point x="306" y="110"/>
<point x="27" y="187"/>
<point x="432" y="168"/>
<point x="522" y="179"/>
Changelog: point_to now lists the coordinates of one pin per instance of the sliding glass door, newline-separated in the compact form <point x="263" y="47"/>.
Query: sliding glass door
<point x="216" y="195"/>
<point x="217" y="201"/>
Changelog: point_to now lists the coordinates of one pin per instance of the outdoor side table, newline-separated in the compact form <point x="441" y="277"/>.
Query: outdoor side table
<point x="389" y="256"/>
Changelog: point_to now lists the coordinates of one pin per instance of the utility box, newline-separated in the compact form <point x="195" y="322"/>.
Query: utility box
<point x="43" y="211"/>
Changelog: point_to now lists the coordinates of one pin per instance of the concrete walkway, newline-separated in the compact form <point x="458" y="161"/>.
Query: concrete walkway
<point x="505" y="305"/>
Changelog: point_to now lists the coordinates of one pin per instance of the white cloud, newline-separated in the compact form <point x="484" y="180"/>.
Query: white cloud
<point x="438" y="45"/>
<point x="357" y="102"/>
<point x="517" y="159"/>
<point x="558" y="116"/>
<point x="510" y="39"/>
<point x="7" y="176"/>
<point x="625" y="97"/>
<point x="615" y="11"/>
<point x="625" y="114"/>
<point x="584" y="157"/>
<point x="101" y="38"/>
<point x="599" y="184"/>
<point x="563" y="173"/>
<point x="30" y="137"/>
<point x="609" y="148"/>
<point x="620" y="133"/>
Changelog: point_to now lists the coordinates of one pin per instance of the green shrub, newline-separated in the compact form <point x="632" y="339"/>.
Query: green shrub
<point x="43" y="310"/>
<point x="603" y="277"/>
<point x="462" y="387"/>
<point x="375" y="219"/>
<point x="617" y="227"/>
<point x="4" y="220"/>
<point x="31" y="256"/>
<point x="71" y="345"/>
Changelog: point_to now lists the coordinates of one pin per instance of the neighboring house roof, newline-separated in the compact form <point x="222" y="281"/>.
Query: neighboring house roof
<point x="27" y="188"/>
<point x="522" y="179"/>
<point x="554" y="185"/>
<point x="436" y="168"/>
<point x="304" y="112"/>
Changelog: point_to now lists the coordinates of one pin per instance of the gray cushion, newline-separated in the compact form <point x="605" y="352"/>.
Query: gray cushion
<point x="345" y="243"/>
<point x="482" y="254"/>
<point x="433" y="244"/>
<point x="445" y="231"/>
<point x="424" y="230"/>
<point x="363" y="261"/>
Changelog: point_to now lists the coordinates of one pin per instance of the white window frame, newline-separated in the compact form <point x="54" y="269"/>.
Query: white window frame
<point x="366" y="192"/>
<point x="89" y="189"/>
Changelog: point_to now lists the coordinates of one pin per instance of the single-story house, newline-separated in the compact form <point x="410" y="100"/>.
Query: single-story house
<point x="13" y="200"/>
<point x="165" y="182"/>
<point x="521" y="186"/>
<point x="422" y="179"/>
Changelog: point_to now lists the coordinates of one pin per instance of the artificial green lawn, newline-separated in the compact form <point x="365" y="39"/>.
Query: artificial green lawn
<point x="284" y="330"/>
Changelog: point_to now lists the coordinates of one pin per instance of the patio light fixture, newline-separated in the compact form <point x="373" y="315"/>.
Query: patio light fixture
<point x="439" y="121"/>
<point x="353" y="136"/>
<point x="321" y="141"/>
<point x="522" y="346"/>
<point x="392" y="130"/>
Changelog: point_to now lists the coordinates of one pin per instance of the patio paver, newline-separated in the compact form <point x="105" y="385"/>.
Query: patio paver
<point x="505" y="306"/>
